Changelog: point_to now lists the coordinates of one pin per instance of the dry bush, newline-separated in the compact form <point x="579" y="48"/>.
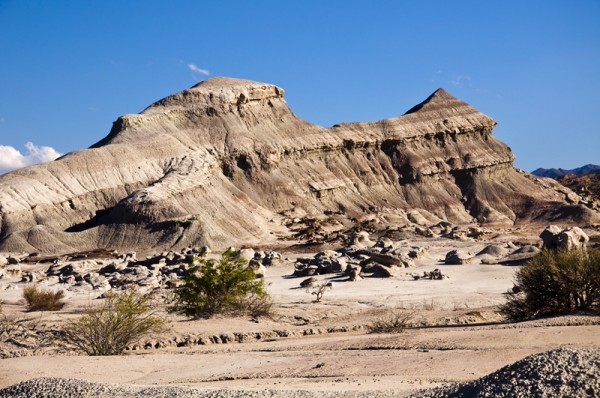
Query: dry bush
<point x="319" y="291"/>
<point x="391" y="321"/>
<point x="123" y="319"/>
<point x="43" y="300"/>
<point x="429" y="305"/>
<point x="256" y="306"/>
<point x="555" y="283"/>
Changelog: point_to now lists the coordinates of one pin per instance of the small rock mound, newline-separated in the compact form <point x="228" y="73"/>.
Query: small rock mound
<point x="50" y="387"/>
<point x="494" y="250"/>
<point x="563" y="372"/>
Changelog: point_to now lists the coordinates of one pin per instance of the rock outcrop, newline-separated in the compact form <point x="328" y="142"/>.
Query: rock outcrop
<point x="221" y="162"/>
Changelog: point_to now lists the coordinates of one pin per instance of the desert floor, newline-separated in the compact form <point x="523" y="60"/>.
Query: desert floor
<point x="455" y="335"/>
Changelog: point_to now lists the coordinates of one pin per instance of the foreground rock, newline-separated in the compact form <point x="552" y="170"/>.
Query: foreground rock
<point x="220" y="163"/>
<point x="564" y="239"/>
<point x="562" y="372"/>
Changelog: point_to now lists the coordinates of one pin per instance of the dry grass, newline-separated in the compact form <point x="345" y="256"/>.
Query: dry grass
<point x="391" y="320"/>
<point x="43" y="300"/>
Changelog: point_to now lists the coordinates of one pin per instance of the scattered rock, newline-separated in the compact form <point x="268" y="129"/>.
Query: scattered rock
<point x="565" y="239"/>
<point x="361" y="239"/>
<point x="308" y="282"/>
<point x="454" y="257"/>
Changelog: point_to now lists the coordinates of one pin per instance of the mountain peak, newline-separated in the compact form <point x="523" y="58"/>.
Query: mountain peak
<point x="439" y="98"/>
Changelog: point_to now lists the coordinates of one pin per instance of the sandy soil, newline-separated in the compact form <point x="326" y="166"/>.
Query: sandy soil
<point x="456" y="335"/>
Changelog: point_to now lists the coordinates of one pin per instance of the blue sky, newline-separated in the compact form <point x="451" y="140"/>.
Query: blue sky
<point x="68" y="69"/>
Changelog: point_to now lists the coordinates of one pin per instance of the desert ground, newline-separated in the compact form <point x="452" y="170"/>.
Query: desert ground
<point x="454" y="332"/>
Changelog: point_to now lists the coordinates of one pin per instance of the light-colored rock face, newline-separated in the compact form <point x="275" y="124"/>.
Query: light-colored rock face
<point x="216" y="164"/>
<point x="573" y="238"/>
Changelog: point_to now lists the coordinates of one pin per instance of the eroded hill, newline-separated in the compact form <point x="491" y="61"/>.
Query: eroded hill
<point x="223" y="162"/>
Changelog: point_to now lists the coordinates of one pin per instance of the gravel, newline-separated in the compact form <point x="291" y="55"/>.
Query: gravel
<point x="562" y="372"/>
<point x="49" y="387"/>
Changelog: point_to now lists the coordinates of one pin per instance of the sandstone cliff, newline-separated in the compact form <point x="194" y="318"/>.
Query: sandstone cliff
<point x="219" y="163"/>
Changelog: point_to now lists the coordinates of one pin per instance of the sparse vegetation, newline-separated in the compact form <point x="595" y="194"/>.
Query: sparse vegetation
<point x="123" y="319"/>
<point x="391" y="321"/>
<point x="319" y="291"/>
<point x="555" y="283"/>
<point x="429" y="305"/>
<point x="226" y="286"/>
<point x="43" y="300"/>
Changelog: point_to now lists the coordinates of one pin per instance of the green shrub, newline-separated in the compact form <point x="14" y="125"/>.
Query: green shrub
<point x="226" y="286"/>
<point x="555" y="283"/>
<point x="123" y="319"/>
<point x="43" y="300"/>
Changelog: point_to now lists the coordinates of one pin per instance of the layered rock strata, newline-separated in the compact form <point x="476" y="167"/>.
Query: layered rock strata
<point x="219" y="163"/>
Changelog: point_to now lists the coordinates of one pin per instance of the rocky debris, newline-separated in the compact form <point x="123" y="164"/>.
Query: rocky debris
<point x="425" y="232"/>
<point x="381" y="259"/>
<point x="564" y="239"/>
<point x="586" y="186"/>
<point x="73" y="388"/>
<point x="11" y="271"/>
<point x="563" y="372"/>
<point x="436" y="274"/>
<point x="361" y="239"/>
<point x="456" y="257"/>
<point x="162" y="270"/>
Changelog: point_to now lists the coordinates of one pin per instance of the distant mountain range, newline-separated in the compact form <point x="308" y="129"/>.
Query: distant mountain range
<point x="554" y="173"/>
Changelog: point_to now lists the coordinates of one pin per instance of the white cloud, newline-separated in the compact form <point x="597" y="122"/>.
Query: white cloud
<point x="459" y="80"/>
<point x="11" y="158"/>
<point x="195" y="69"/>
<point x="436" y="75"/>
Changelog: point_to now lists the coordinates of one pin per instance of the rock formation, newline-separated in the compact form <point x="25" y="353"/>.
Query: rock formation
<point x="555" y="238"/>
<point x="220" y="163"/>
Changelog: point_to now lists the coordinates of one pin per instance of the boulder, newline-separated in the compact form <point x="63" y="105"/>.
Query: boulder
<point x="308" y="282"/>
<point x="361" y="239"/>
<point x="377" y="271"/>
<point x="247" y="254"/>
<point x="353" y="272"/>
<point x="455" y="257"/>
<point x="494" y="251"/>
<point x="426" y="232"/>
<point x="259" y="269"/>
<point x="555" y="238"/>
